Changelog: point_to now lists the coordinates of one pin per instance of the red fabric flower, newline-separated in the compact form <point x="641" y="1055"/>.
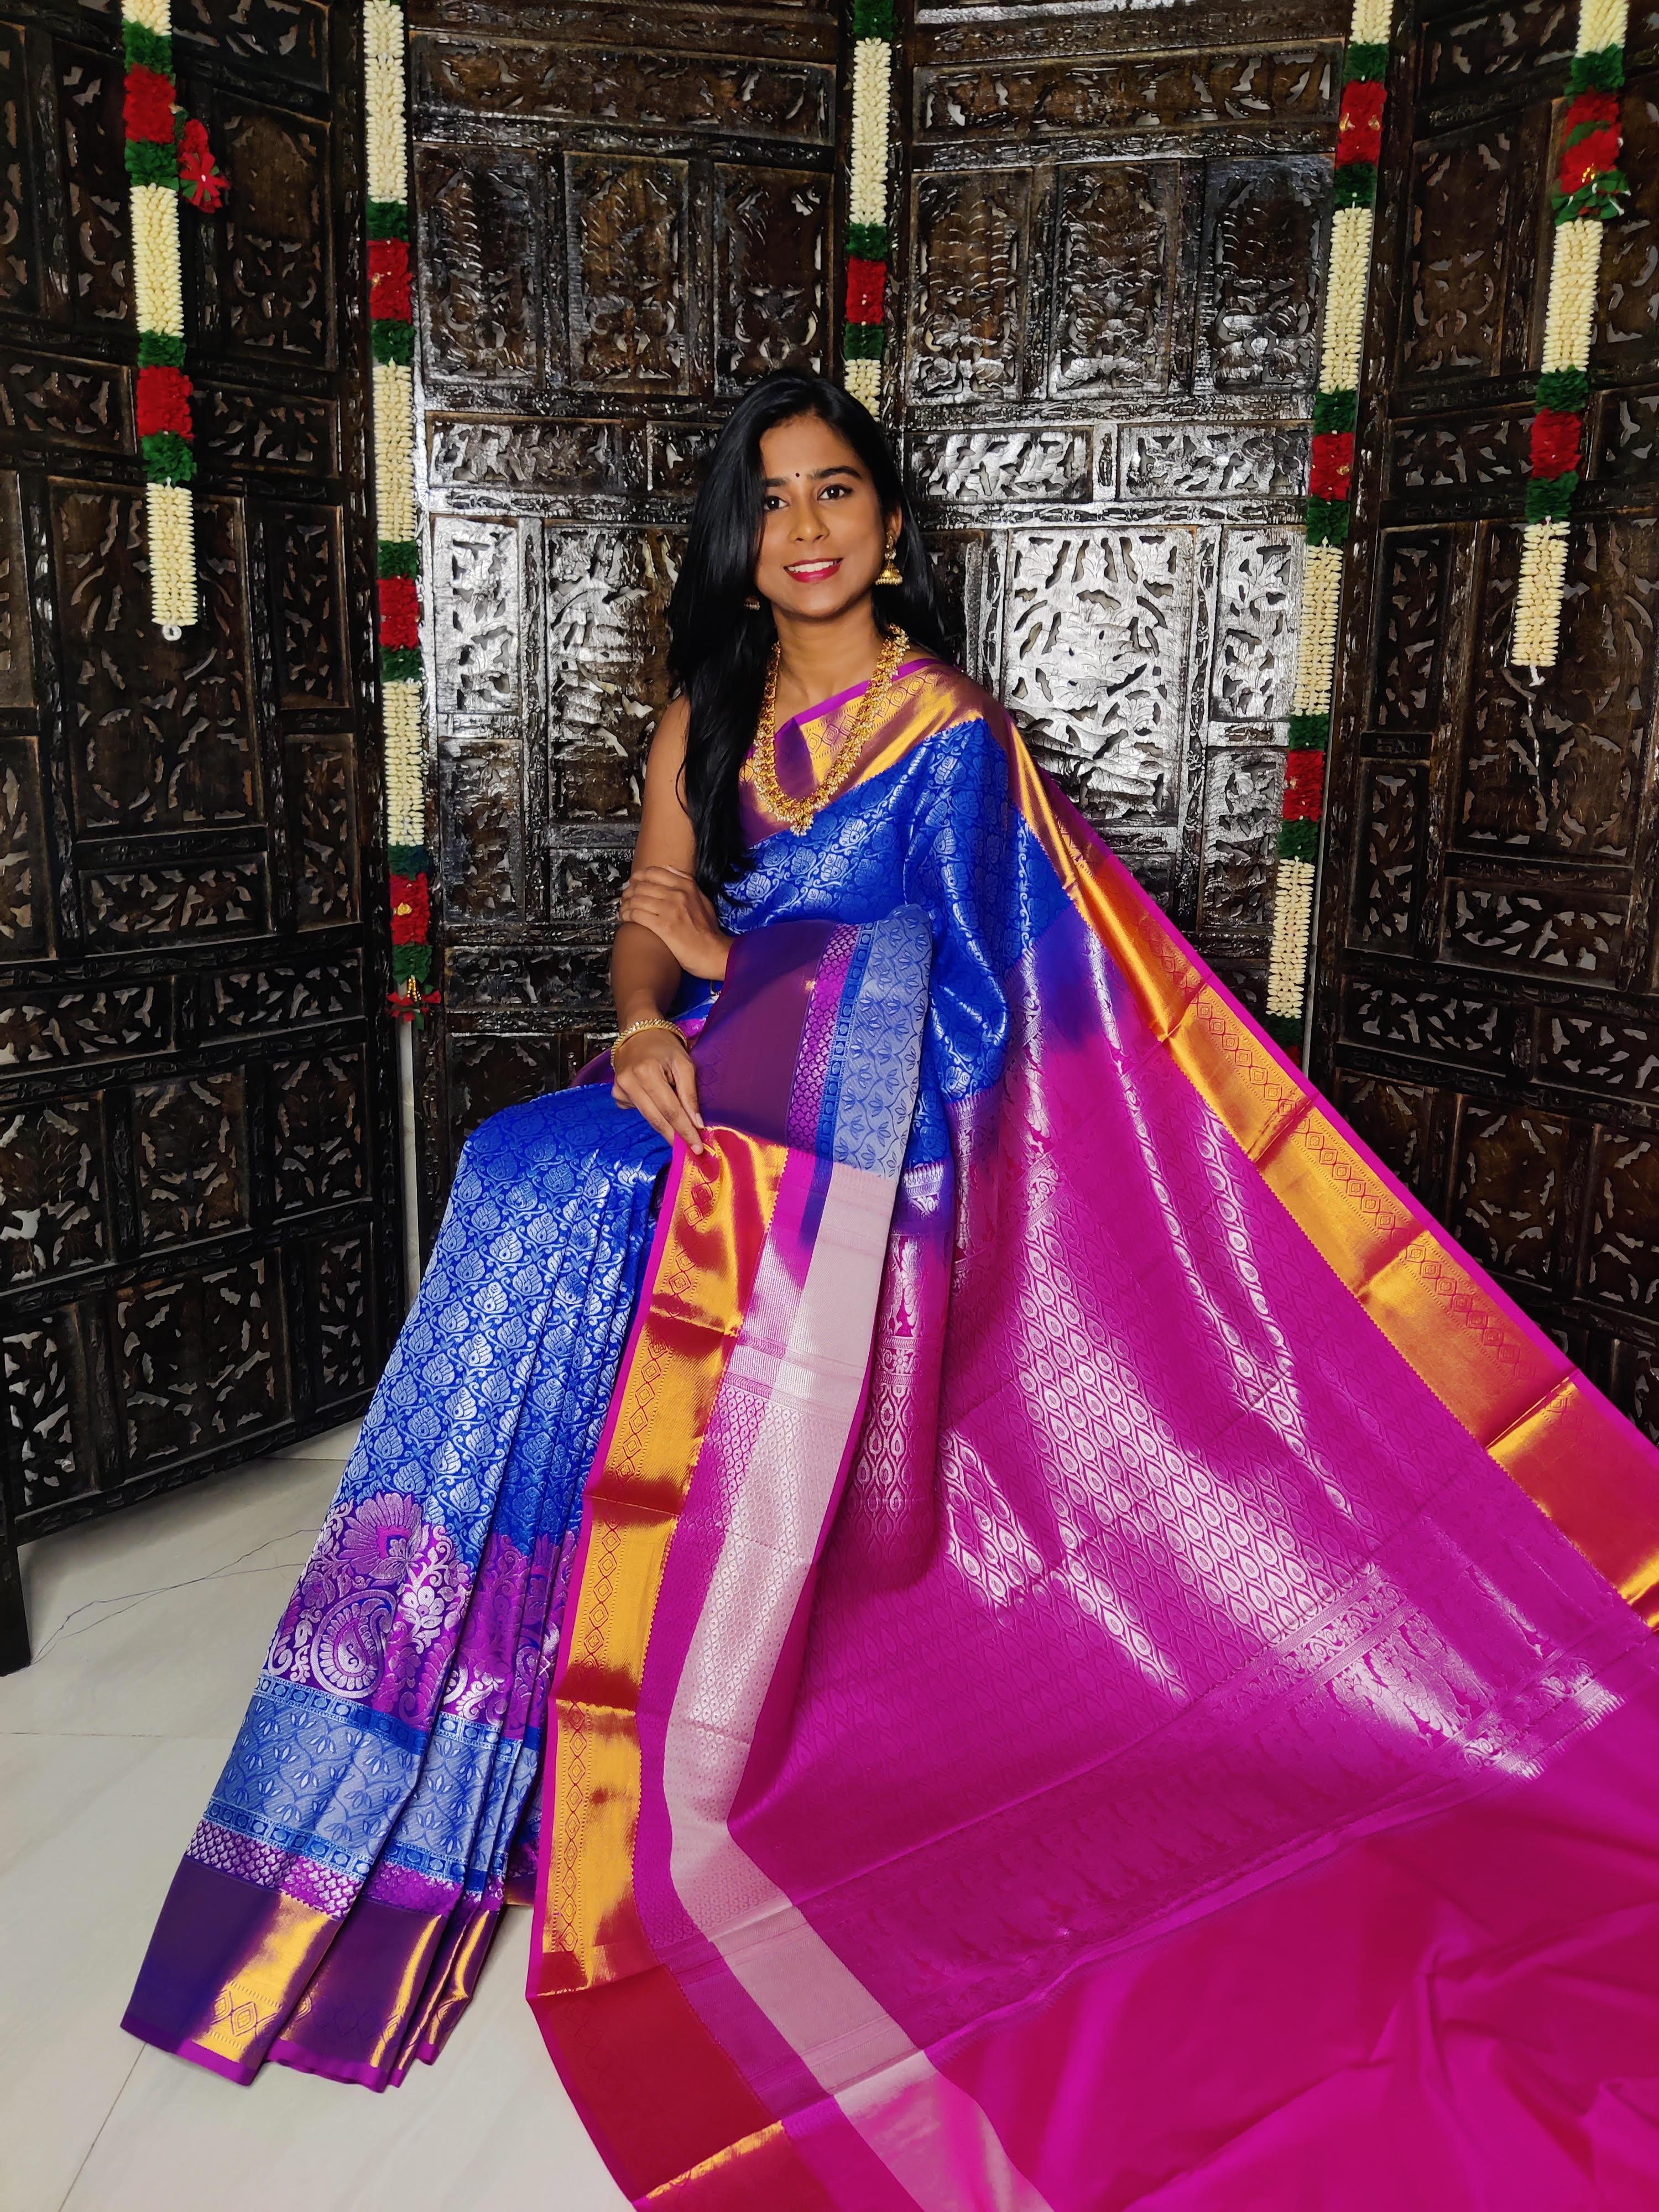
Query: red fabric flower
<point x="1557" y="440"/>
<point x="1591" y="157"/>
<point x="148" y="110"/>
<point x="412" y="911"/>
<point x="388" y="279"/>
<point x="1592" y="108"/>
<point x="1359" y="126"/>
<point x="1332" y="475"/>
<point x="199" y="178"/>
<point x="866" y="290"/>
<point x="400" y="612"/>
<point x="1304" y="786"/>
<point x="163" y="401"/>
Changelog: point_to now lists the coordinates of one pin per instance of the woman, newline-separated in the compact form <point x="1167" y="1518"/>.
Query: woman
<point x="1025" y="1542"/>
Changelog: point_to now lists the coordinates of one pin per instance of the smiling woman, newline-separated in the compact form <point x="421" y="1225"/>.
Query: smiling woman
<point x="975" y="1556"/>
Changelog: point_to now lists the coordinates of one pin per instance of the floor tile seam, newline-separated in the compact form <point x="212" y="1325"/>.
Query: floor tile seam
<point x="126" y="2083"/>
<point x="127" y="1600"/>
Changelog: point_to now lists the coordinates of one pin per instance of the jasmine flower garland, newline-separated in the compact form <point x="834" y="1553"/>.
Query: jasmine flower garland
<point x="392" y="344"/>
<point x="1589" y="189"/>
<point x="864" y="333"/>
<point x="1330" y="487"/>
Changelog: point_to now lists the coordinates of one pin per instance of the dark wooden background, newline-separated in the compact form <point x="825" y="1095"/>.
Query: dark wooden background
<point x="1109" y="224"/>
<point x="1487" y="1013"/>
<point x="199" y="1228"/>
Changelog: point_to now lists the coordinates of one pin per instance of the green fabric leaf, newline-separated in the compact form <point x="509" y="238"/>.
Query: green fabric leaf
<point x="1328" y="521"/>
<point x="1565" y="390"/>
<point x="160" y="349"/>
<point x="168" y="458"/>
<point x="867" y="241"/>
<point x="1549" y="499"/>
<point x="147" y="49"/>
<point x="399" y="556"/>
<point x="1299" y="841"/>
<point x="400" y="664"/>
<point x="1601" y="71"/>
<point x="1364" y="63"/>
<point x="150" y="164"/>
<point x="393" y="342"/>
<point x="409" y="859"/>
<point x="863" y="341"/>
<point x="1310" y="733"/>
<point x="1335" y="411"/>
<point x="1356" y="185"/>
<point x="1285" y="1033"/>
<point x="388" y="219"/>
<point x="409" y="960"/>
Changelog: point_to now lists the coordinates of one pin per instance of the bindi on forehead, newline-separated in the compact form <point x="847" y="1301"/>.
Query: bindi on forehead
<point x="815" y="475"/>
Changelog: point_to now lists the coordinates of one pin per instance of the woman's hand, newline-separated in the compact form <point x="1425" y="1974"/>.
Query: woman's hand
<point x="668" y="901"/>
<point x="653" y="1072"/>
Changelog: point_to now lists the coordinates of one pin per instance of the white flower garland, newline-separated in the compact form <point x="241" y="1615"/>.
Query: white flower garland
<point x="1358" y="144"/>
<point x="396" y="517"/>
<point x="1589" y="193"/>
<point x="864" y="329"/>
<point x="159" y="302"/>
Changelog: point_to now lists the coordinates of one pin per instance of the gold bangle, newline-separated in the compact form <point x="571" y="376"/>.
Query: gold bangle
<point x="651" y="1022"/>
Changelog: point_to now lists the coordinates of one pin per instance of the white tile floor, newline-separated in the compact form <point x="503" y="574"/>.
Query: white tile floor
<point x="148" y="1632"/>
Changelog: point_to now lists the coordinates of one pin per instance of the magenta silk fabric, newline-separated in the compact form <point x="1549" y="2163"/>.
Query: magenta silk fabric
<point x="1193" y="1775"/>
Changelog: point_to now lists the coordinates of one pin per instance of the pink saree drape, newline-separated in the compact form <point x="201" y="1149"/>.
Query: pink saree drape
<point x="1068" y="1698"/>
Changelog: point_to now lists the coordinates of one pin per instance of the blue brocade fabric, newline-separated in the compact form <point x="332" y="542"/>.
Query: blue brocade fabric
<point x="388" y="1755"/>
<point x="395" y="1731"/>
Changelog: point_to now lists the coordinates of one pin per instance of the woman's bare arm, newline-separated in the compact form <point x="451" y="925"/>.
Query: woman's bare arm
<point x="668" y="930"/>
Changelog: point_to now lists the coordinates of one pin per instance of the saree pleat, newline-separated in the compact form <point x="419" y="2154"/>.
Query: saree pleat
<point x="339" y="1896"/>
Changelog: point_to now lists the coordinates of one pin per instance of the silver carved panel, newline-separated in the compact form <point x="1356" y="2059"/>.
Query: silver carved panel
<point x="1099" y="625"/>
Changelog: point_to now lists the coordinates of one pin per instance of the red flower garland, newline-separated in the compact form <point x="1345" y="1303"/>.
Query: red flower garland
<point x="412" y="913"/>
<point x="388" y="279"/>
<point x="866" y="290"/>
<point x="400" y="612"/>
<point x="146" y="110"/>
<point x="1331" y="474"/>
<point x="1304" y="786"/>
<point x="1359" y="123"/>
<point x="164" y="396"/>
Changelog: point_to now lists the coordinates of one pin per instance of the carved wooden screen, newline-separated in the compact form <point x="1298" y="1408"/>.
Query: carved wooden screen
<point x="198" y="1214"/>
<point x="1488" y="1013"/>
<point x="1112" y="223"/>
<point x="1112" y="234"/>
<point x="624" y="218"/>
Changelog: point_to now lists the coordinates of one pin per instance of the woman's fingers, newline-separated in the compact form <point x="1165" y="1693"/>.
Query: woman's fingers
<point x="682" y="1074"/>
<point x="650" y="1089"/>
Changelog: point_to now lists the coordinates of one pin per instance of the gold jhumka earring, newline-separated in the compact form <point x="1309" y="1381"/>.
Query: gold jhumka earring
<point x="891" y="572"/>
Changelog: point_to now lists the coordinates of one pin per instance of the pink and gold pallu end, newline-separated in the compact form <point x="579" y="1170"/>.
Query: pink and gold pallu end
<point x="1517" y="1393"/>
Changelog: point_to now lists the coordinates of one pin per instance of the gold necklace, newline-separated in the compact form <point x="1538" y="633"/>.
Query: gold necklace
<point x="799" y="814"/>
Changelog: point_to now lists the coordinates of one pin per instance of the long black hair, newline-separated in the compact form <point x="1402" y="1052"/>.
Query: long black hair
<point x="718" y="648"/>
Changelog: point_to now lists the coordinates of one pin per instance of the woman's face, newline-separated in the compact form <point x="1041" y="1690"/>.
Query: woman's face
<point x="824" y="536"/>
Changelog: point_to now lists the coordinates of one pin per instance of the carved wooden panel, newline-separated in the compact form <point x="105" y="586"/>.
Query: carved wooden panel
<point x="1487" y="997"/>
<point x="198" y="1231"/>
<point x="623" y="220"/>
<point x="1114" y="235"/>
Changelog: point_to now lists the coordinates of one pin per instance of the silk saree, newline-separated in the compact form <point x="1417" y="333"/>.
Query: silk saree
<point x="1036" y="1634"/>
